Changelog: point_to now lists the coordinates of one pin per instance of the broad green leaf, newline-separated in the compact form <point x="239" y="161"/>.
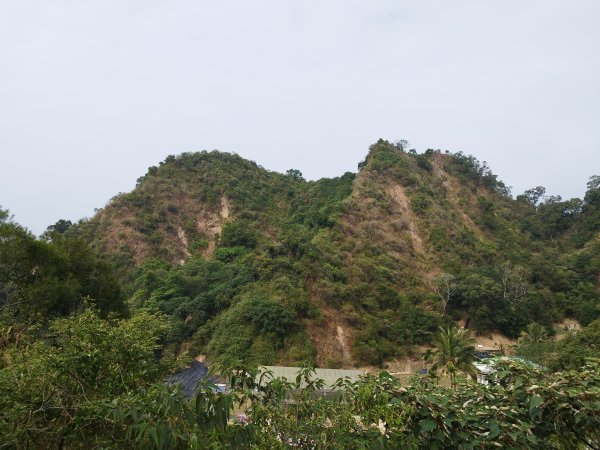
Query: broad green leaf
<point x="428" y="425"/>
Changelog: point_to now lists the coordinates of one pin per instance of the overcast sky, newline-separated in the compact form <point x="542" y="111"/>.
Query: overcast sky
<point x="94" y="92"/>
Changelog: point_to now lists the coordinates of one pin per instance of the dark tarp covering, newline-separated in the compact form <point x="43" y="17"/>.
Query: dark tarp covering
<point x="188" y="378"/>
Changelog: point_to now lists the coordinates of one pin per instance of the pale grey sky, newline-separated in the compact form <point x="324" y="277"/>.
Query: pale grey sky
<point x="92" y="92"/>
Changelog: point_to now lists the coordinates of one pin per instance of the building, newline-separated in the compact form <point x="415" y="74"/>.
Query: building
<point x="483" y="351"/>
<point x="329" y="376"/>
<point x="189" y="378"/>
<point x="487" y="367"/>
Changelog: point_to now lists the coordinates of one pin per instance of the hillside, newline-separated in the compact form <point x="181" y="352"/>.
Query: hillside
<point x="262" y="267"/>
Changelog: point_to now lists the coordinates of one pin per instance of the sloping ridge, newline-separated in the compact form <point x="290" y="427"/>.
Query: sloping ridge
<point x="349" y="258"/>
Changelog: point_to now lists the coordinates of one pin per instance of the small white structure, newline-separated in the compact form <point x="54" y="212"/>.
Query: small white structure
<point x="483" y="370"/>
<point x="486" y="367"/>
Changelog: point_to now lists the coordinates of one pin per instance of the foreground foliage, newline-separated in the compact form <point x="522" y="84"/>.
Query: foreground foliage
<point x="55" y="383"/>
<point x="96" y="383"/>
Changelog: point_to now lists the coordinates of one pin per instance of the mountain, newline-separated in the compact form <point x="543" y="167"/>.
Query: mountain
<point x="259" y="267"/>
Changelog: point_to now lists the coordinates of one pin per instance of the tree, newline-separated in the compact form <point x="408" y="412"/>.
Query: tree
<point x="294" y="174"/>
<point x="593" y="183"/>
<point x="533" y="334"/>
<point x="533" y="195"/>
<point x="60" y="227"/>
<point x="572" y="351"/>
<point x="4" y="215"/>
<point x="591" y="206"/>
<point x="534" y="345"/>
<point x="512" y="280"/>
<point x="402" y="145"/>
<point x="445" y="286"/>
<point x="45" y="279"/>
<point x="55" y="386"/>
<point x="454" y="353"/>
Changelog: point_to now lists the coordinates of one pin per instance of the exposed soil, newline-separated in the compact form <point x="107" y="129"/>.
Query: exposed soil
<point x="342" y="341"/>
<point x="224" y="208"/>
<point x="565" y="327"/>
<point x="494" y="340"/>
<point x="397" y="193"/>
<point x="332" y="340"/>
<point x="210" y="224"/>
<point x="184" y="243"/>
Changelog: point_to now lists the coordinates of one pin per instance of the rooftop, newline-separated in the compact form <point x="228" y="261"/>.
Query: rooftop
<point x="329" y="376"/>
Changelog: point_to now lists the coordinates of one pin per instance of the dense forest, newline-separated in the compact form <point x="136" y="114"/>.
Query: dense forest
<point x="213" y="255"/>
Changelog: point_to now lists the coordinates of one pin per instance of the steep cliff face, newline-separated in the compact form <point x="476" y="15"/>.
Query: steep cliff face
<point x="264" y="267"/>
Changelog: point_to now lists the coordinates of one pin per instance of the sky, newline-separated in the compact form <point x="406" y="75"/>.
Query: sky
<point x="93" y="92"/>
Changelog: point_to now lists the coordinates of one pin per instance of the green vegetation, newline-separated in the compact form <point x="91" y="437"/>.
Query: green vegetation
<point x="206" y="237"/>
<point x="454" y="353"/>
<point x="43" y="278"/>
<point x="95" y="383"/>
<point x="522" y="407"/>
<point x="566" y="354"/>
<point x="214" y="255"/>
<point x="56" y="384"/>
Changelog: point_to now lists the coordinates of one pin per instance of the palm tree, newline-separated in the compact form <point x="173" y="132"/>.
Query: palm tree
<point x="454" y="353"/>
<point x="533" y="334"/>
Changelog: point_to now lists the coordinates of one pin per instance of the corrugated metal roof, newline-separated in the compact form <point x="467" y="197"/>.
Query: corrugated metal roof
<point x="330" y="376"/>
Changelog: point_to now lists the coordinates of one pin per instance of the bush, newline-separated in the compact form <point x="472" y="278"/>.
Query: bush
<point x="238" y="234"/>
<point x="269" y="317"/>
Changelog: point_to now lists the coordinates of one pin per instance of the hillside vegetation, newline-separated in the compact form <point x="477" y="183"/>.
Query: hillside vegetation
<point x="253" y="266"/>
<point x="213" y="255"/>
